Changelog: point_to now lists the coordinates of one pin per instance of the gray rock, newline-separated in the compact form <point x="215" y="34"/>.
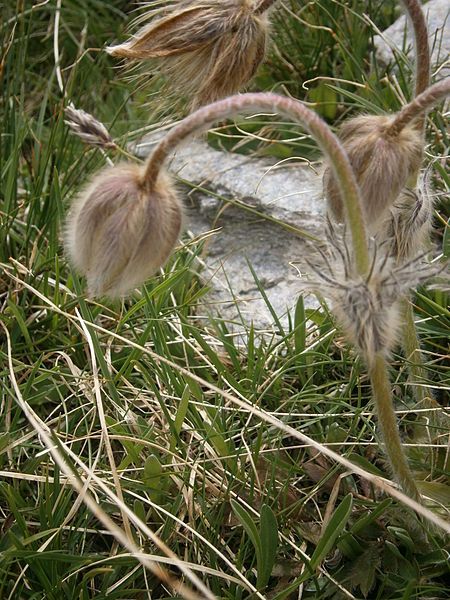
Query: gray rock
<point x="438" y="18"/>
<point x="258" y="211"/>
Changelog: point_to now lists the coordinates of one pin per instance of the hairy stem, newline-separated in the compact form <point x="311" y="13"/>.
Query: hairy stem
<point x="262" y="6"/>
<point x="422" y="77"/>
<point x="419" y="106"/>
<point x="410" y="340"/>
<point x="415" y="13"/>
<point x="295" y="110"/>
<point x="387" y="421"/>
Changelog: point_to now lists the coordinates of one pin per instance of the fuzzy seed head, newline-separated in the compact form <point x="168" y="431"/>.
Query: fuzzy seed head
<point x="382" y="164"/>
<point x="367" y="307"/>
<point x="206" y="50"/>
<point x="119" y="233"/>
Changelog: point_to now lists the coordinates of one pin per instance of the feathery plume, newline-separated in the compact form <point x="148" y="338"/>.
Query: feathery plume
<point x="382" y="163"/>
<point x="120" y="231"/>
<point x="88" y="128"/>
<point x="408" y="225"/>
<point x="206" y="49"/>
<point x="366" y="306"/>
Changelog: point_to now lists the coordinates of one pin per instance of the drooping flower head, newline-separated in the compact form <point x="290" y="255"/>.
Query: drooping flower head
<point x="120" y="231"/>
<point x="207" y="49"/>
<point x="382" y="162"/>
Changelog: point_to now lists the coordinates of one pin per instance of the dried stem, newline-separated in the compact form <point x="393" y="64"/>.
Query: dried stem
<point x="420" y="105"/>
<point x="388" y="425"/>
<point x="45" y="435"/>
<point x="329" y="143"/>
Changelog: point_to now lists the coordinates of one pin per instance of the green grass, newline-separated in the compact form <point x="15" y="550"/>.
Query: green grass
<point x="241" y="501"/>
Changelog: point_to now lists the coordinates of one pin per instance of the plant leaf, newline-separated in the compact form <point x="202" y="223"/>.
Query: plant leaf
<point x="250" y="528"/>
<point x="332" y="530"/>
<point x="269" y="545"/>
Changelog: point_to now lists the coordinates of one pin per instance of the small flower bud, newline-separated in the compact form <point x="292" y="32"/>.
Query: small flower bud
<point x="119" y="232"/>
<point x="382" y="163"/>
<point x="407" y="226"/>
<point x="88" y="128"/>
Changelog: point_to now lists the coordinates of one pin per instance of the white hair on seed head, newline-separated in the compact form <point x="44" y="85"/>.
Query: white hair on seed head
<point x="118" y="232"/>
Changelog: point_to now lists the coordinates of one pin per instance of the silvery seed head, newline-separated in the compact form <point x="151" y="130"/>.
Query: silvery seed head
<point x="119" y="232"/>
<point x="367" y="307"/>
<point x="206" y="50"/>
<point x="382" y="164"/>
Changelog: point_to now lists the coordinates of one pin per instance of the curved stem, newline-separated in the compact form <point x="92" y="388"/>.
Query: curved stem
<point x="295" y="110"/>
<point x="419" y="106"/>
<point x="387" y="421"/>
<point x="422" y="49"/>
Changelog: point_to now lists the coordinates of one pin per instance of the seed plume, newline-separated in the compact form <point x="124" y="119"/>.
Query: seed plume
<point x="382" y="163"/>
<point x="88" y="128"/>
<point x="206" y="49"/>
<point x="120" y="231"/>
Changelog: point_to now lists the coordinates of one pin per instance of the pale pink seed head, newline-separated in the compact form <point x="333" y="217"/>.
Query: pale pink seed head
<point x="119" y="233"/>
<point x="382" y="164"/>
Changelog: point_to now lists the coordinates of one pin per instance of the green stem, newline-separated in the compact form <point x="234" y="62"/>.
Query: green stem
<point x="416" y="110"/>
<point x="411" y="348"/>
<point x="204" y="117"/>
<point x="411" y="342"/>
<point x="387" y="421"/>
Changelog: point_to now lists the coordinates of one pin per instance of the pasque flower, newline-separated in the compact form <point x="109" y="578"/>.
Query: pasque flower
<point x="120" y="229"/>
<point x="206" y="49"/>
<point x="382" y="160"/>
<point x="126" y="222"/>
<point x="366" y="306"/>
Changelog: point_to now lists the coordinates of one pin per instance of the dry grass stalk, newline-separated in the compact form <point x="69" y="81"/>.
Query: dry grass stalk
<point x="88" y="128"/>
<point x="120" y="231"/>
<point x="267" y="417"/>
<point x="78" y="484"/>
<point x="206" y="50"/>
<point x="382" y="163"/>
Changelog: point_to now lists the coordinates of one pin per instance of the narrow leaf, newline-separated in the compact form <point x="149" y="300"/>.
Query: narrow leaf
<point x="250" y="528"/>
<point x="269" y="544"/>
<point x="332" y="530"/>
